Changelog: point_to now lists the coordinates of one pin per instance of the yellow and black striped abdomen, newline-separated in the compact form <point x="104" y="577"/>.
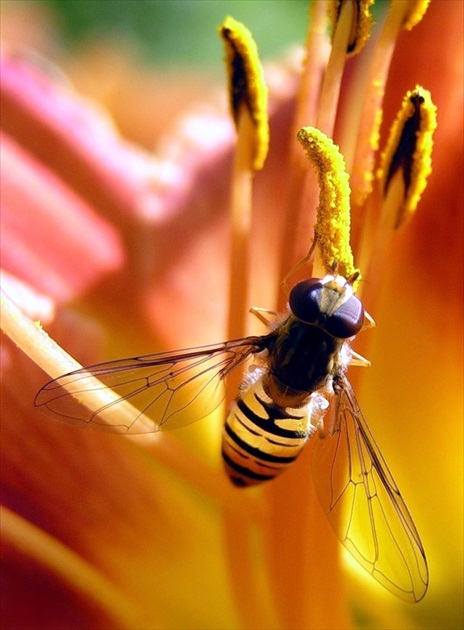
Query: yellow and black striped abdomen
<point x="260" y="438"/>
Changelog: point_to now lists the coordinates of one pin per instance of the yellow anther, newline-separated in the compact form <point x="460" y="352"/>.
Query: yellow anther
<point x="415" y="13"/>
<point x="406" y="161"/>
<point x="247" y="89"/>
<point x="361" y="22"/>
<point x="332" y="229"/>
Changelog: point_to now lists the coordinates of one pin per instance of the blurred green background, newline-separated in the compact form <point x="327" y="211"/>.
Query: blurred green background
<point x="182" y="31"/>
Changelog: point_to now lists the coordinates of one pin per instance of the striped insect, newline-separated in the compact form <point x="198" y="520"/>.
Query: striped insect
<point x="294" y="387"/>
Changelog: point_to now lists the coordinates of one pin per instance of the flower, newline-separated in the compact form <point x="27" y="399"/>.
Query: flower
<point x="101" y="532"/>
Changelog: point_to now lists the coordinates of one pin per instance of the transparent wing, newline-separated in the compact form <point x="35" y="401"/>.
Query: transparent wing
<point x="362" y="501"/>
<point x="148" y="393"/>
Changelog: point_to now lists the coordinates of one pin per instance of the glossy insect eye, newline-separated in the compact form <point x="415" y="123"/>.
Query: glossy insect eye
<point x="305" y="300"/>
<point x="313" y="302"/>
<point x="347" y="320"/>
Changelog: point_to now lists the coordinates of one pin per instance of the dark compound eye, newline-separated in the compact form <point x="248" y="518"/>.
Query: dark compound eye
<point x="312" y="302"/>
<point x="305" y="300"/>
<point x="347" y="320"/>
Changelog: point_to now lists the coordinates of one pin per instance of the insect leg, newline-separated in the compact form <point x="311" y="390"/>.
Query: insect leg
<point x="368" y="321"/>
<point x="358" y="360"/>
<point x="262" y="313"/>
<point x="298" y="266"/>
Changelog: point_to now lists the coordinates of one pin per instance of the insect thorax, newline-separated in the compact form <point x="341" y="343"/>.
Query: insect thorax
<point x="301" y="358"/>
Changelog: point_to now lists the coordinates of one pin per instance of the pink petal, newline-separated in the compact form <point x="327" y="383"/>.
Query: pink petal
<point x="74" y="137"/>
<point x="50" y="237"/>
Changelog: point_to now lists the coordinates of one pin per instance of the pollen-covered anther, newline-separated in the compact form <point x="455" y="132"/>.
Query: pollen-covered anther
<point x="247" y="88"/>
<point x="360" y="23"/>
<point x="415" y="14"/>
<point x="332" y="229"/>
<point x="406" y="161"/>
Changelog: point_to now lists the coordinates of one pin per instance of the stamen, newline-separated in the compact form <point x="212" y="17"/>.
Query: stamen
<point x="406" y="162"/>
<point x="361" y="22"/>
<point x="332" y="229"/>
<point x="417" y="9"/>
<point x="359" y="148"/>
<point x="248" y="100"/>
<point x="301" y="191"/>
<point x="351" y="25"/>
<point x="405" y="166"/>
<point x="247" y="88"/>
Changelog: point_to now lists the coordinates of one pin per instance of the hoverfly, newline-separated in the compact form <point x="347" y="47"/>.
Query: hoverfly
<point x="297" y="388"/>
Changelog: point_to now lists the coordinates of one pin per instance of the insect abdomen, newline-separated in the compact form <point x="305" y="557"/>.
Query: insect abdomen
<point x="260" y="438"/>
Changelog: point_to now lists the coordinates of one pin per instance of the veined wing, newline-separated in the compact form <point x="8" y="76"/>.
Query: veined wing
<point x="362" y="501"/>
<point x="148" y="393"/>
